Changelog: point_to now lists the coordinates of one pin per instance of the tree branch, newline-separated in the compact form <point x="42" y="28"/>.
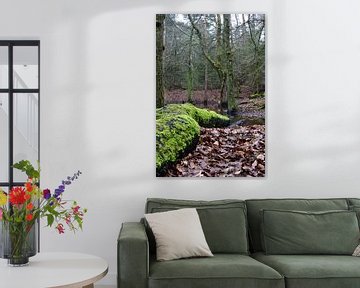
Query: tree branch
<point x="213" y="63"/>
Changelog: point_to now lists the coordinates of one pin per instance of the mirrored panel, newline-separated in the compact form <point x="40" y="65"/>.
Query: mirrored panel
<point x="26" y="73"/>
<point x="4" y="67"/>
<point x="26" y="130"/>
<point x="4" y="139"/>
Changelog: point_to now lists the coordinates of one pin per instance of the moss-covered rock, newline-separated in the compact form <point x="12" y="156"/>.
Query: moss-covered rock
<point x="205" y="118"/>
<point x="175" y="136"/>
<point x="178" y="131"/>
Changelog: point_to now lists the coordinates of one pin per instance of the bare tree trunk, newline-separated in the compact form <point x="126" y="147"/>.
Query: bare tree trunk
<point x="206" y="27"/>
<point x="218" y="38"/>
<point x="159" y="60"/>
<point x="206" y="84"/>
<point x="231" y="105"/>
<point x="255" y="82"/>
<point x="219" y="56"/>
<point x="190" y="76"/>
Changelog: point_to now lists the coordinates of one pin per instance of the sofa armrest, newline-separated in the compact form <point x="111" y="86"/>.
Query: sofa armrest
<point x="133" y="256"/>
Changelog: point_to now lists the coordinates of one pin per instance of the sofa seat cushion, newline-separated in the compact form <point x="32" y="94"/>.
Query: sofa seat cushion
<point x="313" y="271"/>
<point x="222" y="270"/>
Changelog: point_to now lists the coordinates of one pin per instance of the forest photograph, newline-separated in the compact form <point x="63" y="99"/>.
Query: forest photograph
<point x="210" y="95"/>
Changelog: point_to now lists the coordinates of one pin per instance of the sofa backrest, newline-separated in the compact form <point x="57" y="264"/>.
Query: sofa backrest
<point x="256" y="205"/>
<point x="353" y="202"/>
<point x="223" y="221"/>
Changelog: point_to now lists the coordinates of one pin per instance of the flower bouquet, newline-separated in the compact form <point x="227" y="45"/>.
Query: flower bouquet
<point x="21" y="208"/>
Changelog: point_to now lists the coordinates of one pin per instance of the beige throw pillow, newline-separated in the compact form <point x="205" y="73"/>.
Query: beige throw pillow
<point x="357" y="251"/>
<point x="178" y="234"/>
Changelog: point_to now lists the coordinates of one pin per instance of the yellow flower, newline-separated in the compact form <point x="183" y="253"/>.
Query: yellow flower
<point x="3" y="198"/>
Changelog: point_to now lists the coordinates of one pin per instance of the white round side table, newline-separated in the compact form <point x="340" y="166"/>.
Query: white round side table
<point x="50" y="270"/>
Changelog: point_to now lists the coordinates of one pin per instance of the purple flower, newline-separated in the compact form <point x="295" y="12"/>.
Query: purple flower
<point x="68" y="181"/>
<point x="58" y="192"/>
<point x="46" y="194"/>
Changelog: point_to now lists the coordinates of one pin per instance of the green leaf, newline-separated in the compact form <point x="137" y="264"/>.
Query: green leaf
<point x="26" y="167"/>
<point x="52" y="211"/>
<point x="50" y="219"/>
<point x="79" y="221"/>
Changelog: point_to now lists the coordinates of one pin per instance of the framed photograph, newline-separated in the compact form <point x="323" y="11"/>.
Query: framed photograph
<point x="210" y="95"/>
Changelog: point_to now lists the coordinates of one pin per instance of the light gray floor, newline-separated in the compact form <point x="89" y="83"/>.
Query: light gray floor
<point x="104" y="286"/>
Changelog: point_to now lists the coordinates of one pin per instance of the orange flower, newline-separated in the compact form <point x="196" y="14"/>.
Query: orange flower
<point x="29" y="217"/>
<point x="29" y="187"/>
<point x="27" y="196"/>
<point x="29" y="206"/>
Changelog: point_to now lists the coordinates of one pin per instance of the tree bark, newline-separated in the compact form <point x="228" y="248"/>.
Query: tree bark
<point x="190" y="76"/>
<point x="219" y="57"/>
<point x="255" y="82"/>
<point x="231" y="105"/>
<point x="159" y="60"/>
<point x="206" y="27"/>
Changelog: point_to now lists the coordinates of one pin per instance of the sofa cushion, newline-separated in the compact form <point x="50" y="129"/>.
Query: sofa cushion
<point x="313" y="271"/>
<point x="254" y="207"/>
<point x="353" y="201"/>
<point x="223" y="221"/>
<point x="354" y="205"/>
<point x="356" y="209"/>
<point x="222" y="270"/>
<point x="297" y="232"/>
<point x="178" y="234"/>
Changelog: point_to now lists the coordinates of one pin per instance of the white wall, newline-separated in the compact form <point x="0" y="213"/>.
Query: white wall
<point x="98" y="103"/>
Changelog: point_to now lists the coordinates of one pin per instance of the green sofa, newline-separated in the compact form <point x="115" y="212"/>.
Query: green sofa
<point x="234" y="230"/>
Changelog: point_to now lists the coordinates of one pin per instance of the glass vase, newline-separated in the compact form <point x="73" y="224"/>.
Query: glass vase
<point x="18" y="242"/>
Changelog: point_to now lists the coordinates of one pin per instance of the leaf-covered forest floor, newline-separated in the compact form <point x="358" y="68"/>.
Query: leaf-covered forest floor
<point x="234" y="151"/>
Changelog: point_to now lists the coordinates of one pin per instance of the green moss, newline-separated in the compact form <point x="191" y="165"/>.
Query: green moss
<point x="178" y="131"/>
<point x="204" y="117"/>
<point x="175" y="136"/>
